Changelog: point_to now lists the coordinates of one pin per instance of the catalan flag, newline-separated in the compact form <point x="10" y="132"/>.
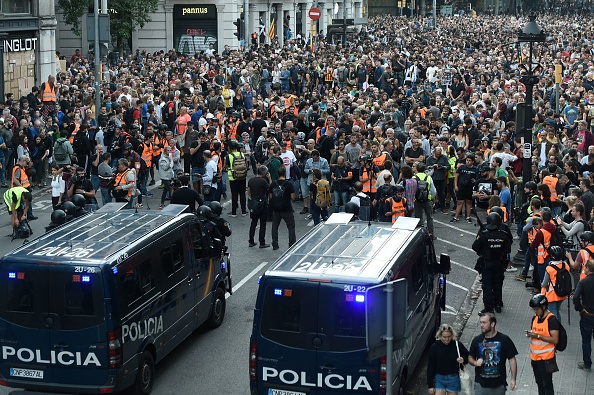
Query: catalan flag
<point x="271" y="31"/>
<point x="312" y="48"/>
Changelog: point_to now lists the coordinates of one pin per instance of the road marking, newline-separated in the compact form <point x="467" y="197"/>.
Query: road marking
<point x="42" y="205"/>
<point x="451" y="311"/>
<point x="461" y="265"/>
<point x="454" y="227"/>
<point x="457" y="286"/>
<point x="456" y="245"/>
<point x="247" y="278"/>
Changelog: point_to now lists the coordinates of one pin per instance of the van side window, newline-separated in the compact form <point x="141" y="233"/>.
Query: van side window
<point x="199" y="242"/>
<point x="418" y="275"/>
<point x="78" y="298"/>
<point x="20" y="297"/>
<point x="172" y="258"/>
<point x="136" y="282"/>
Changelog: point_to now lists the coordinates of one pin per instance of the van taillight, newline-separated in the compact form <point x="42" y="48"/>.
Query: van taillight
<point x="253" y="352"/>
<point x="382" y="375"/>
<point x="4" y="383"/>
<point x="115" y="349"/>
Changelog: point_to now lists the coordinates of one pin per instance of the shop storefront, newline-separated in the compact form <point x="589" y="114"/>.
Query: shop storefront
<point x="19" y="62"/>
<point x="194" y="28"/>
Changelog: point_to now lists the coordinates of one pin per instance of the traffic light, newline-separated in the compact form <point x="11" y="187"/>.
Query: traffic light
<point x="239" y="31"/>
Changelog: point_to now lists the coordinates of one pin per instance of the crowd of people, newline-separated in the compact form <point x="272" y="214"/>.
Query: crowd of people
<point x="405" y="120"/>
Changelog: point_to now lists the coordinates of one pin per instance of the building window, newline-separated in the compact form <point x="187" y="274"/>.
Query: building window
<point x="16" y="6"/>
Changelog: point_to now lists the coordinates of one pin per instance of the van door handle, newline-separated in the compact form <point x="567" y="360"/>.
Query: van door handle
<point x="328" y="367"/>
<point x="61" y="346"/>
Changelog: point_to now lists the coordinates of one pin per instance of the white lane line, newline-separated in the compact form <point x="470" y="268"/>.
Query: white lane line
<point x="457" y="286"/>
<point x="454" y="244"/>
<point x="454" y="227"/>
<point x="310" y="223"/>
<point x="247" y="278"/>
<point x="450" y="310"/>
<point x="464" y="266"/>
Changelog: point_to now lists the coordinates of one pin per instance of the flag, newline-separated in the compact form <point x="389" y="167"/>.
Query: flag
<point x="312" y="46"/>
<point x="271" y="31"/>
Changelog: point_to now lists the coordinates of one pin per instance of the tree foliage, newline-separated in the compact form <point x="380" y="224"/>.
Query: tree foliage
<point x="125" y="16"/>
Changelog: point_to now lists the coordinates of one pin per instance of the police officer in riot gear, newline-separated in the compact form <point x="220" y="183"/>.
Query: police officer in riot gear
<point x="492" y="245"/>
<point x="220" y="222"/>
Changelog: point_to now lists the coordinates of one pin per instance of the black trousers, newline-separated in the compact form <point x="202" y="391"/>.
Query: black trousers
<point x="289" y="218"/>
<point x="261" y="218"/>
<point x="544" y="380"/>
<point x="492" y="285"/>
<point x="237" y="195"/>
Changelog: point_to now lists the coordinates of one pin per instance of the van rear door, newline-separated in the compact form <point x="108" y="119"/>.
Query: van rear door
<point x="53" y="325"/>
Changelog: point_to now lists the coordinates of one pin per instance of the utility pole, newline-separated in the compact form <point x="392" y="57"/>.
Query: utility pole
<point x="246" y="23"/>
<point x="97" y="56"/>
<point x="435" y="14"/>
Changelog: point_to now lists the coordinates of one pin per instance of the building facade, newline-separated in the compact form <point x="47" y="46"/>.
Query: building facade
<point x="28" y="36"/>
<point x="190" y="26"/>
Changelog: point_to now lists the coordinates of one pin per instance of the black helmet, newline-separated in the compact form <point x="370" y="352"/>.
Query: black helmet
<point x="215" y="207"/>
<point x="493" y="221"/>
<point x="498" y="210"/>
<point x="557" y="253"/>
<point x="79" y="200"/>
<point x="587" y="236"/>
<point x="399" y="188"/>
<point x="351" y="208"/>
<point x="58" y="217"/>
<point x="69" y="208"/>
<point x="539" y="300"/>
<point x="164" y="126"/>
<point x="127" y="146"/>
<point x="31" y="172"/>
<point x="204" y="212"/>
<point x="320" y="122"/>
<point x="531" y="185"/>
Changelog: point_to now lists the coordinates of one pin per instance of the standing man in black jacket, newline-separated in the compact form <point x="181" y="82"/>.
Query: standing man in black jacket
<point x="583" y="301"/>
<point x="186" y="196"/>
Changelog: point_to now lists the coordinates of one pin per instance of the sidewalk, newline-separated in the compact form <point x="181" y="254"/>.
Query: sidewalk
<point x="513" y="321"/>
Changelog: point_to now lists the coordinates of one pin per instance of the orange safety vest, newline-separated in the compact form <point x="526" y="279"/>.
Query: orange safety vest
<point x="365" y="177"/>
<point x="380" y="160"/>
<point x="233" y="131"/>
<point x="49" y="93"/>
<point x="147" y="155"/>
<point x="531" y="235"/>
<point x="398" y="208"/>
<point x="549" y="291"/>
<point x="122" y="177"/>
<point x="585" y="257"/>
<point x="504" y="213"/>
<point x="76" y="129"/>
<point x="542" y="251"/>
<point x="156" y="149"/>
<point x="551" y="182"/>
<point x="23" y="177"/>
<point x="318" y="133"/>
<point x="539" y="349"/>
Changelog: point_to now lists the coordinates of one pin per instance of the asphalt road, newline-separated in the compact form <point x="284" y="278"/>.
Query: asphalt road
<point x="216" y="362"/>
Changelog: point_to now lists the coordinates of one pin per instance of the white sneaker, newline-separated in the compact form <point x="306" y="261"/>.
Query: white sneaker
<point x="516" y="237"/>
<point x="531" y="268"/>
<point x="511" y="269"/>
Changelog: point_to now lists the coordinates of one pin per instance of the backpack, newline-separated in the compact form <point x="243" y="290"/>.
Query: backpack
<point x="422" y="194"/>
<point x="278" y="195"/>
<point x="323" y="194"/>
<point x="320" y="141"/>
<point x="386" y="192"/>
<point x="562" y="343"/>
<point x="562" y="286"/>
<point x="342" y="74"/>
<point x="165" y="113"/>
<point x="587" y="227"/>
<point x="556" y="239"/>
<point x="364" y="208"/>
<point x="60" y="150"/>
<point x="239" y="168"/>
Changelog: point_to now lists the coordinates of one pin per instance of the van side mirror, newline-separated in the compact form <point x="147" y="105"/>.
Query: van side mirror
<point x="217" y="248"/>
<point x="444" y="264"/>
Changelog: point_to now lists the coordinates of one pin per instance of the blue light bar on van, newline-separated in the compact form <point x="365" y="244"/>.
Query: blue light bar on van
<point x="16" y="275"/>
<point x="278" y="292"/>
<point x="12" y="275"/>
<point x="283" y="292"/>
<point x="114" y="270"/>
<point x="86" y="279"/>
<point x="360" y="298"/>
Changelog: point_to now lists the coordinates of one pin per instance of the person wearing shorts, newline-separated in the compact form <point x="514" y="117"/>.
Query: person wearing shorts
<point x="445" y="356"/>
<point x="466" y="176"/>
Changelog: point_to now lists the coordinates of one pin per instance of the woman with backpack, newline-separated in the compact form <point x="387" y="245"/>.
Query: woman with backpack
<point x="410" y="188"/>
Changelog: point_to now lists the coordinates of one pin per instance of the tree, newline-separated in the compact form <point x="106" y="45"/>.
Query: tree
<point x="125" y="16"/>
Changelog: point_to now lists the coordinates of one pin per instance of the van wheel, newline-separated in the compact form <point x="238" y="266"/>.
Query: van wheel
<point x="217" y="312"/>
<point x="146" y="374"/>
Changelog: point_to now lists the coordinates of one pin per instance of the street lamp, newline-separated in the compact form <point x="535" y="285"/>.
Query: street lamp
<point x="530" y="34"/>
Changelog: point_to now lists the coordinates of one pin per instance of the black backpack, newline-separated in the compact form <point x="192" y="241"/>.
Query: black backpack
<point x="556" y="239"/>
<point x="422" y="194"/>
<point x="587" y="227"/>
<point x="562" y="286"/>
<point x="386" y="192"/>
<point x="278" y="195"/>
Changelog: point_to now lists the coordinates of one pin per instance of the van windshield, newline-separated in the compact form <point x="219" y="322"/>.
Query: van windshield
<point x="27" y="297"/>
<point x="296" y="313"/>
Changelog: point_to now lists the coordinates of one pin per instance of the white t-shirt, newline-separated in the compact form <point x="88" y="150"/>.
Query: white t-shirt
<point x="288" y="158"/>
<point x="58" y="186"/>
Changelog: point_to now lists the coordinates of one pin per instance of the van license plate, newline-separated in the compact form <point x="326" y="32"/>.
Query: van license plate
<point x="283" y="392"/>
<point x="28" y="373"/>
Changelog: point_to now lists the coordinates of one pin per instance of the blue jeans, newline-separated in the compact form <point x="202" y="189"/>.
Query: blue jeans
<point x="195" y="172"/>
<point x="105" y="197"/>
<point x="96" y="182"/>
<point x="555" y="308"/>
<point x="587" y="329"/>
<point x="316" y="212"/>
<point x="3" y="170"/>
<point x="340" y="199"/>
<point x="448" y="382"/>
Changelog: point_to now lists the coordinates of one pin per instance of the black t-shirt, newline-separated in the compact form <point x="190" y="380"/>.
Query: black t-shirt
<point x="341" y="172"/>
<point x="495" y="352"/>
<point x="198" y="158"/>
<point x="467" y="176"/>
<point x="489" y="186"/>
<point x="412" y="153"/>
<point x="283" y="203"/>
<point x="87" y="186"/>
<point x="187" y="196"/>
<point x="326" y="147"/>
<point x="258" y="188"/>
<point x="257" y="125"/>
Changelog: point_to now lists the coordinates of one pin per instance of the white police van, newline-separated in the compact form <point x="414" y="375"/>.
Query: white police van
<point x="309" y="329"/>
<point x="91" y="306"/>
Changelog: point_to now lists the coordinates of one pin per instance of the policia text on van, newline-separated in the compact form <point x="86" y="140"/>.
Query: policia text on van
<point x="91" y="306"/>
<point x="309" y="331"/>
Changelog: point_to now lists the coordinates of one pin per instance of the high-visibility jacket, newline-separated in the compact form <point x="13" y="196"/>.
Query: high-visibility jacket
<point x="156" y="149"/>
<point x="543" y="249"/>
<point x="16" y="191"/>
<point x="76" y="129"/>
<point x="398" y="208"/>
<point x="23" y="177"/>
<point x="120" y="179"/>
<point x="147" y="155"/>
<point x="539" y="349"/>
<point x="380" y="160"/>
<point x="549" y="290"/>
<point x="551" y="182"/>
<point x="233" y="131"/>
<point x="49" y="93"/>
<point x="366" y="187"/>
<point x="504" y="213"/>
<point x="531" y="235"/>
<point x="585" y="256"/>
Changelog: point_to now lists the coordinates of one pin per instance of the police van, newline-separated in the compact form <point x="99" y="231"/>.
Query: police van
<point x="91" y="306"/>
<point x="309" y="329"/>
